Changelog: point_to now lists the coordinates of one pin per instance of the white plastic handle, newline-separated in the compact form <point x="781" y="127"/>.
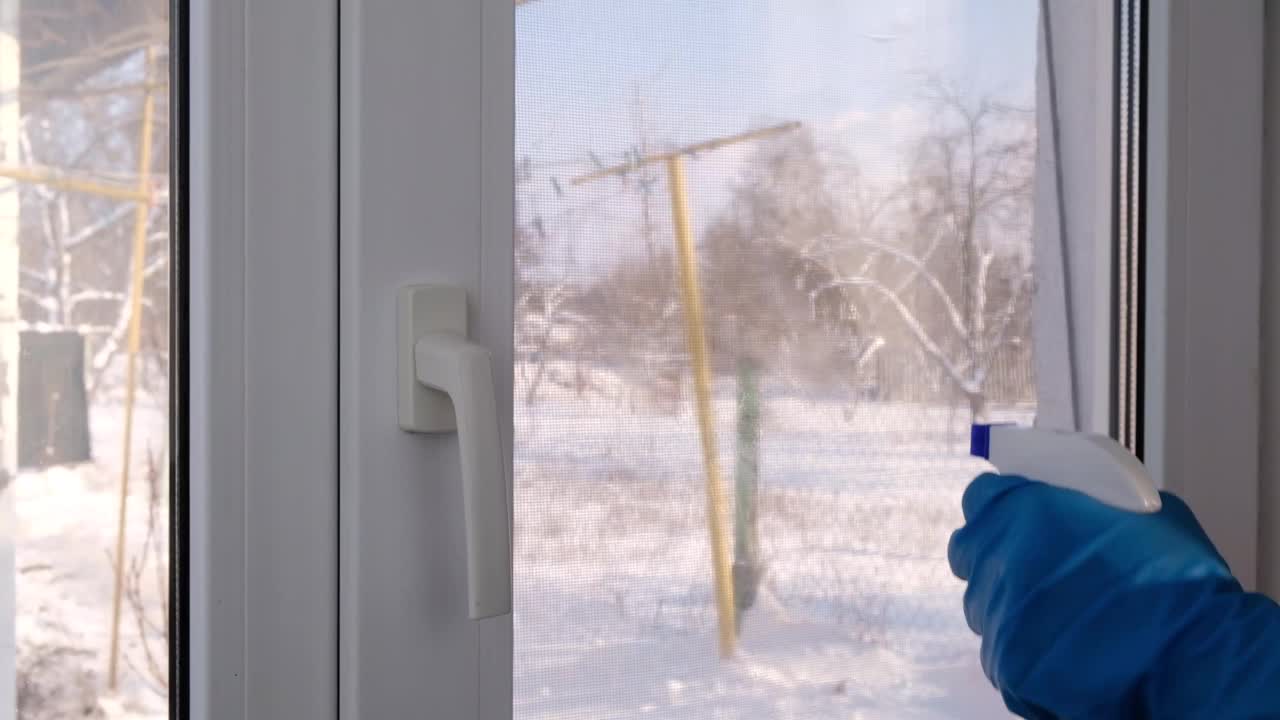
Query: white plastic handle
<point x="450" y="363"/>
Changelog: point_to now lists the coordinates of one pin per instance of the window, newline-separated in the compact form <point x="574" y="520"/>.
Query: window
<point x="855" y="614"/>
<point x="84" y="358"/>
<point x="772" y="260"/>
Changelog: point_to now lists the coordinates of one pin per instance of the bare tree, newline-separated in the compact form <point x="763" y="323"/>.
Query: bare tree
<point x="760" y="284"/>
<point x="549" y="333"/>
<point x="570" y="323"/>
<point x="92" y="149"/>
<point x="148" y="579"/>
<point x="87" y="65"/>
<point x="954" y="264"/>
<point x="823" y="271"/>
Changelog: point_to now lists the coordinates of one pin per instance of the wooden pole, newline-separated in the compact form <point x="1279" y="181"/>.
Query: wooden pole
<point x="141" y="217"/>
<point x="63" y="181"/>
<point x="696" y="338"/>
<point x="694" y="149"/>
<point x="695" y="332"/>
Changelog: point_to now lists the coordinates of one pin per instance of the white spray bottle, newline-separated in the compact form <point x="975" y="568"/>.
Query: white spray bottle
<point x="1092" y="464"/>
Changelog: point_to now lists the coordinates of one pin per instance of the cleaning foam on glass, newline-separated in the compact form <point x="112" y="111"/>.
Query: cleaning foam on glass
<point x="1092" y="464"/>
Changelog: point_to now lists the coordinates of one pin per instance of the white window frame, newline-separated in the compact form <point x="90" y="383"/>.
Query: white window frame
<point x="1204" y="233"/>
<point x="263" y="359"/>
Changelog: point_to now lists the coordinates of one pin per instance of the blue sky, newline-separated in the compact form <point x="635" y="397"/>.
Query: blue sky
<point x="593" y="76"/>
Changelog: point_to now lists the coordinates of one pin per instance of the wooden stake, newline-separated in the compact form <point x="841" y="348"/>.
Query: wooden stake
<point x="141" y="217"/>
<point x="696" y="337"/>
<point x="65" y="181"/>
<point x="686" y="257"/>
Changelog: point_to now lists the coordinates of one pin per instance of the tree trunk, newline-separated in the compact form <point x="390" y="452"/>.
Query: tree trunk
<point x="977" y="407"/>
<point x="747" y="570"/>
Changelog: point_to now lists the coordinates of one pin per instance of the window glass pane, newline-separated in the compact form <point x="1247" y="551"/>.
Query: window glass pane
<point x="84" y="304"/>
<point x="772" y="259"/>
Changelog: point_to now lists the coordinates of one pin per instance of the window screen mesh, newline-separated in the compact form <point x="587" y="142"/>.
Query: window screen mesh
<point x="772" y="259"/>
<point x="1129" y="217"/>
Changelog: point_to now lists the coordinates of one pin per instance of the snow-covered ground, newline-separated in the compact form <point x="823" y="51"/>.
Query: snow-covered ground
<point x="859" y="617"/>
<point x="65" y="536"/>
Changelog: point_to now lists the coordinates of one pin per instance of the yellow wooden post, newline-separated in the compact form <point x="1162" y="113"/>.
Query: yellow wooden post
<point x="695" y="333"/>
<point x="64" y="181"/>
<point x="141" y="217"/>
<point x="696" y="337"/>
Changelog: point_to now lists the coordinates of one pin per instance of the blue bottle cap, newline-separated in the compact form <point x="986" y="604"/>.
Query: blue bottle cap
<point x="980" y="441"/>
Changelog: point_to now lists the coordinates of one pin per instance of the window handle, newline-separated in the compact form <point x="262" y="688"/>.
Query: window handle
<point x="446" y="384"/>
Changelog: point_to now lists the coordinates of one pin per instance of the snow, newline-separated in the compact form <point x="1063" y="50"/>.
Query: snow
<point x="66" y="532"/>
<point x="860" y="616"/>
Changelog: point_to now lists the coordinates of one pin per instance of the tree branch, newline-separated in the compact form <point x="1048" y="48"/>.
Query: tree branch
<point x="43" y="302"/>
<point x="957" y="374"/>
<point x="953" y="313"/>
<point x="117" y="214"/>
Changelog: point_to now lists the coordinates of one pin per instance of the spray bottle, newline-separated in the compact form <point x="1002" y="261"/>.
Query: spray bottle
<point x="1092" y="464"/>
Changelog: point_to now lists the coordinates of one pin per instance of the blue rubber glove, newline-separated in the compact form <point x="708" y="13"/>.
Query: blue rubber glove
<point x="1089" y="612"/>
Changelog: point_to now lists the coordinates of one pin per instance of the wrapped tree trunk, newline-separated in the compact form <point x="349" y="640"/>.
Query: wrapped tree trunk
<point x="747" y="568"/>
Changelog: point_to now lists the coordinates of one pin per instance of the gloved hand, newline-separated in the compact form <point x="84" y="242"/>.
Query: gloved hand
<point x="1091" y="612"/>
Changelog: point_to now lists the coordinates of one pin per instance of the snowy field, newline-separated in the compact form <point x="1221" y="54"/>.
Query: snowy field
<point x="66" y="533"/>
<point x="859" y="615"/>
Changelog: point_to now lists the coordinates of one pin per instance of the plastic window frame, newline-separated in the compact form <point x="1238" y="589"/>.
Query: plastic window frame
<point x="1204" y="175"/>
<point x="260" y="336"/>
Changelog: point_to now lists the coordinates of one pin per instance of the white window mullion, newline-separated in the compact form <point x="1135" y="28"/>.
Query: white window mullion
<point x="263" y="359"/>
